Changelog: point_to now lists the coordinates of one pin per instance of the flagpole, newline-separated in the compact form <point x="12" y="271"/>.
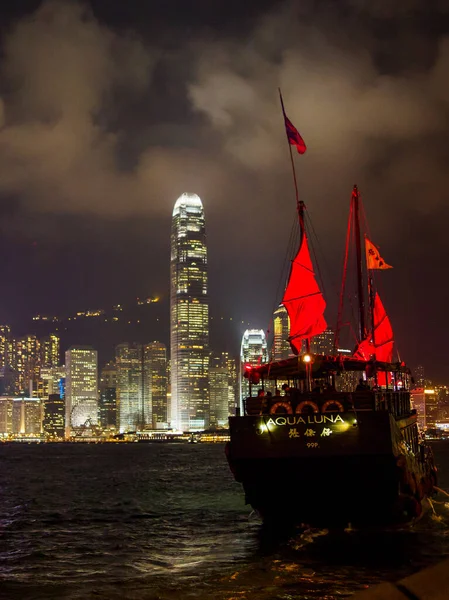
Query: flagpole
<point x="298" y="204"/>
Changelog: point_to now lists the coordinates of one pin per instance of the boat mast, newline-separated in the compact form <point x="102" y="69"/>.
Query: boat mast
<point x="300" y="206"/>
<point x="358" y="245"/>
<point x="343" y="281"/>
<point x="302" y="231"/>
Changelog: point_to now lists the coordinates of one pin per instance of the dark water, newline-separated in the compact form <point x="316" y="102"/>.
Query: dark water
<point x="136" y="521"/>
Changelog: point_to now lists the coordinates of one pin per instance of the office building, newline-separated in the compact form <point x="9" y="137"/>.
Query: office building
<point x="323" y="343"/>
<point x="156" y="378"/>
<point x="189" y="316"/>
<point x="425" y="401"/>
<point x="107" y="406"/>
<point x="419" y="376"/>
<point x="253" y="352"/>
<point x="49" y="351"/>
<point x="233" y="385"/>
<point x="27" y="416"/>
<point x="52" y="381"/>
<point x="6" y="404"/>
<point x="81" y="387"/>
<point x="54" y="417"/>
<point x="5" y="346"/>
<point x="281" y="328"/>
<point x="133" y="397"/>
<point x="219" y="390"/>
<point x="26" y="363"/>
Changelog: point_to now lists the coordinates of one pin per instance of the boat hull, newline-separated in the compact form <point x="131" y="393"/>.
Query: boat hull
<point x="359" y="472"/>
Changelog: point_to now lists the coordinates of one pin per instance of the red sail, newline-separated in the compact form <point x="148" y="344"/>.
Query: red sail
<point x="303" y="300"/>
<point x="382" y="349"/>
<point x="383" y="332"/>
<point x="365" y="349"/>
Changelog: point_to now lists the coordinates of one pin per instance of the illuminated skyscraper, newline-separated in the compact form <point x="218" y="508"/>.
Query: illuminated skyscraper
<point x="8" y="383"/>
<point x="5" y="341"/>
<point x="281" y="327"/>
<point x="253" y="352"/>
<point x="27" y="416"/>
<point x="156" y="379"/>
<point x="107" y="406"/>
<point x="132" y="398"/>
<point x="54" y="417"/>
<point x="323" y="343"/>
<point x="219" y="389"/>
<point x="81" y="386"/>
<point x="52" y="381"/>
<point x="419" y="376"/>
<point x="27" y="364"/>
<point x="6" y="406"/>
<point x="234" y="385"/>
<point x="189" y="316"/>
<point x="49" y="349"/>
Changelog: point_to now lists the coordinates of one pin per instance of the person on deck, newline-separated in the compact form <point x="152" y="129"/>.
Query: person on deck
<point x="362" y="386"/>
<point x="286" y="389"/>
<point x="316" y="387"/>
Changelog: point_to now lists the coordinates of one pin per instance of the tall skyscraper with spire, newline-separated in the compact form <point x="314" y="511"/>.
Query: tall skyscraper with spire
<point x="189" y="316"/>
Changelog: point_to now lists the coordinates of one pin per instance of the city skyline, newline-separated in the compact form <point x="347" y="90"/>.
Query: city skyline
<point x="88" y="179"/>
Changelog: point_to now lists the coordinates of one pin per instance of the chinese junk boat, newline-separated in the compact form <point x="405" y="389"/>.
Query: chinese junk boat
<point x="326" y="458"/>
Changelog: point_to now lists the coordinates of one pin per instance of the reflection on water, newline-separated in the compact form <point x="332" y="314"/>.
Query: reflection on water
<point x="148" y="521"/>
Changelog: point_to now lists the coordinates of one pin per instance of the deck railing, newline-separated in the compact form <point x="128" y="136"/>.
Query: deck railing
<point x="396" y="403"/>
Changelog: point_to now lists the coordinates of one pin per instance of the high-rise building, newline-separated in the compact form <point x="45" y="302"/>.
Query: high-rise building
<point x="323" y="343"/>
<point x="54" y="417"/>
<point x="49" y="351"/>
<point x="81" y="387"/>
<point x="27" y="416"/>
<point x="6" y="405"/>
<point x="26" y="363"/>
<point x="52" y="381"/>
<point x="133" y="397"/>
<point x="419" y="376"/>
<point x="7" y="381"/>
<point x="233" y="385"/>
<point x="425" y="401"/>
<point x="168" y="390"/>
<point x="432" y="408"/>
<point x="156" y="377"/>
<point x="189" y="316"/>
<point x="253" y="352"/>
<point x="219" y="389"/>
<point x="5" y="346"/>
<point x="281" y="328"/>
<point x="107" y="406"/>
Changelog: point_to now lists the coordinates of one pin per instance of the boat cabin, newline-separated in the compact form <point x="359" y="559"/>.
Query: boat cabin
<point x="328" y="385"/>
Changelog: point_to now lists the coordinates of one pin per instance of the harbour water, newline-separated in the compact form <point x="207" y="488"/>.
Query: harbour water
<point x="165" y="521"/>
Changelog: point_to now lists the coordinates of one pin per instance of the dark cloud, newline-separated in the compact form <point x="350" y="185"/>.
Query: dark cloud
<point x="99" y="120"/>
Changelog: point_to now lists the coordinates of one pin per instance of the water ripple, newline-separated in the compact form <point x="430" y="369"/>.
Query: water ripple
<point x="146" y="521"/>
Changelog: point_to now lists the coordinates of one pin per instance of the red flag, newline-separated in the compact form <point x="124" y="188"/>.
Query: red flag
<point x="293" y="135"/>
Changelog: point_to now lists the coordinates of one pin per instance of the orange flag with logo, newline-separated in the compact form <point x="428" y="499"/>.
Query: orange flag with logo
<point x="373" y="258"/>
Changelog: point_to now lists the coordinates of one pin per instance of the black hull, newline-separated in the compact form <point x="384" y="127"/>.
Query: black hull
<point x="361" y="476"/>
<point x="362" y="491"/>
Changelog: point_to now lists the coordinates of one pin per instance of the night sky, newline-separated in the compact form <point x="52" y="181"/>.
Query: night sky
<point x="109" y="110"/>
